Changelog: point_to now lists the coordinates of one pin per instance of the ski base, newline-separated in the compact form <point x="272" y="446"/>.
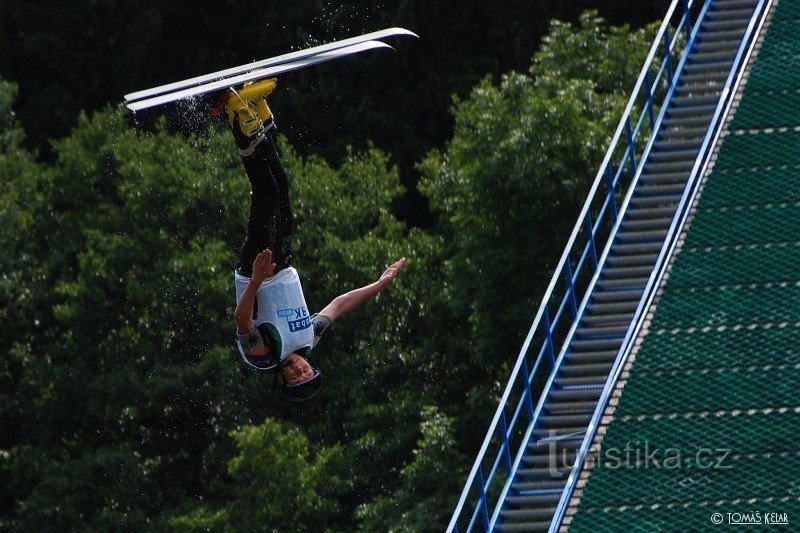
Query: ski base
<point x="271" y="67"/>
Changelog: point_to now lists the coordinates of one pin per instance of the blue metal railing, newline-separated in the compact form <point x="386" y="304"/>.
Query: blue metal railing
<point x="573" y="278"/>
<point x="698" y="170"/>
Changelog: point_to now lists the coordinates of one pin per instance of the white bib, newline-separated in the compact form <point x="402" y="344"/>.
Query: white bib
<point x="282" y="307"/>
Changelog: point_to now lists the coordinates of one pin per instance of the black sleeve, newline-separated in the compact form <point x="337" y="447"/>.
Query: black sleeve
<point x="320" y="324"/>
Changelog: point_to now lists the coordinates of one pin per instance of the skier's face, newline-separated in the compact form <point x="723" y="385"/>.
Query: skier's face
<point x="296" y="370"/>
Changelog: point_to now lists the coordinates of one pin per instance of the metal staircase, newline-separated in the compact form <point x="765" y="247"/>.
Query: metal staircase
<point x="559" y="386"/>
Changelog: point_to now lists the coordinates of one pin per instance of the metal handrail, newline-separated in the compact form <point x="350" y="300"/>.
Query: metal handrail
<point x="679" y="220"/>
<point x="589" y="229"/>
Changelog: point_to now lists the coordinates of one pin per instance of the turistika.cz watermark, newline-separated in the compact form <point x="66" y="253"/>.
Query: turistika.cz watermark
<point x="642" y="455"/>
<point x="756" y="518"/>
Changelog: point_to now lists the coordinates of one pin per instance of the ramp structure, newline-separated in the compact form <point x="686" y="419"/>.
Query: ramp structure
<point x="714" y="380"/>
<point x="527" y="469"/>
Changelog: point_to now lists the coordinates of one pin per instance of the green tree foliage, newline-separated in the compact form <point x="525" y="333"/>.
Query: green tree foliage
<point x="509" y="184"/>
<point x="123" y="404"/>
<point x="428" y="490"/>
<point x="275" y="481"/>
<point x="81" y="55"/>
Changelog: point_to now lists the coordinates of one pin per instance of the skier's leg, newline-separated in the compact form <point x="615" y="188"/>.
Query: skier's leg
<point x="286" y="227"/>
<point x="251" y="122"/>
<point x="263" y="221"/>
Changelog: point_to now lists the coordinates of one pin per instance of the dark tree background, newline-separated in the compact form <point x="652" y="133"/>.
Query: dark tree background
<point x="80" y="55"/>
<point x="123" y="402"/>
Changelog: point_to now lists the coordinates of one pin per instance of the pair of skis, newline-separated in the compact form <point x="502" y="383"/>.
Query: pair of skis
<point x="266" y="68"/>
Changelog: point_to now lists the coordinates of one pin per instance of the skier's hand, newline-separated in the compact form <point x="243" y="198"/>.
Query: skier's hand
<point x="263" y="267"/>
<point x="390" y="273"/>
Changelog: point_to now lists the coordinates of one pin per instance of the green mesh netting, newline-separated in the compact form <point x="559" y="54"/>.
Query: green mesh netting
<point x="744" y="187"/>
<point x="719" y="368"/>
<point x="763" y="346"/>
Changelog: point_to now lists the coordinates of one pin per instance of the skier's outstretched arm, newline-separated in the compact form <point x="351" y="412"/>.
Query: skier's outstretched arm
<point x="350" y="300"/>
<point x="263" y="267"/>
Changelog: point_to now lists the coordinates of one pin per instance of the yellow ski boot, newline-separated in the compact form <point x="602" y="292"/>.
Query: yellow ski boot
<point x="249" y="116"/>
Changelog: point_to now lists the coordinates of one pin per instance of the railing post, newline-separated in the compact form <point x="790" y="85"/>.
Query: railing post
<point x="668" y="57"/>
<point x="688" y="18"/>
<point x="650" y="111"/>
<point x="549" y="337"/>
<point x="571" y="289"/>
<point x="526" y="381"/>
<point x="507" y="454"/>
<point x="631" y="148"/>
<point x="482" y="498"/>
<point x="611" y="198"/>
<point x="590" y="229"/>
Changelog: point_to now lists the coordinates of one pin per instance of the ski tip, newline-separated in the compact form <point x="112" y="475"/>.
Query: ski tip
<point x="138" y="105"/>
<point x="403" y="31"/>
<point x="372" y="45"/>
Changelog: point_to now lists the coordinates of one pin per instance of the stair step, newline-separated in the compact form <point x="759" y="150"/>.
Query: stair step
<point x="642" y="236"/>
<point x="575" y="395"/>
<point x="642" y="268"/>
<point x="525" y="526"/>
<point x="631" y="271"/>
<point x="674" y="155"/>
<point x="598" y="357"/>
<point x="622" y="284"/>
<point x="695" y="99"/>
<point x="637" y="249"/>
<point x="601" y="309"/>
<point x="571" y="432"/>
<point x="728" y="35"/>
<point x="560" y="460"/>
<point x="652" y="201"/>
<point x="597" y="332"/>
<point x="584" y="381"/>
<point x="726" y="12"/>
<point x="607" y="319"/>
<point x="612" y="296"/>
<point x="542" y="473"/>
<point x="542" y="499"/>
<point x="557" y="446"/>
<point x="639" y="214"/>
<point x="646" y="224"/>
<point x="704" y="57"/>
<point x="669" y="167"/>
<point x="671" y="146"/>
<point x="631" y="261"/>
<point x="575" y="407"/>
<point x="663" y="178"/>
<point x="563" y="420"/>
<point x="706" y="78"/>
<point x="581" y="380"/>
<point x="683" y="133"/>
<point x="716" y="46"/>
<point x="661" y="189"/>
<point x="528" y="514"/>
<point x="598" y="344"/>
<point x="691" y="111"/>
<point x="734" y="4"/>
<point x="687" y="122"/>
<point x="719" y="66"/>
<point x="699" y="89"/>
<point x="723" y="26"/>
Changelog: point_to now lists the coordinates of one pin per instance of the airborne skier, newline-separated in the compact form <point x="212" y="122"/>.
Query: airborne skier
<point x="274" y="329"/>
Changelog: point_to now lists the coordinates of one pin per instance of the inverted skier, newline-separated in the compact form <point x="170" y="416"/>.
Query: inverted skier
<point x="275" y="332"/>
